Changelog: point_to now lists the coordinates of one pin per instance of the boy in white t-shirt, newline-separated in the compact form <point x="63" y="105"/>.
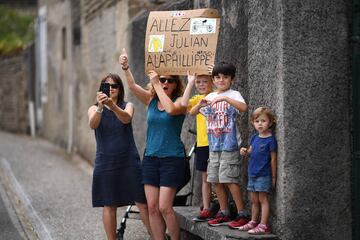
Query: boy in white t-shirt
<point x="221" y="109"/>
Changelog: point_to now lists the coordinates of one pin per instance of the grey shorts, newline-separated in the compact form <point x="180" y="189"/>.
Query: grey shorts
<point x="224" y="167"/>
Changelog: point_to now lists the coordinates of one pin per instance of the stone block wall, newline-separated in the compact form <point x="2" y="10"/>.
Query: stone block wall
<point x="292" y="56"/>
<point x="13" y="94"/>
<point x="316" y="103"/>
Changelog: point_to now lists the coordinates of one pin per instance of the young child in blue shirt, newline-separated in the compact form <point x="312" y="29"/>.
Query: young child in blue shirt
<point x="221" y="109"/>
<point x="261" y="169"/>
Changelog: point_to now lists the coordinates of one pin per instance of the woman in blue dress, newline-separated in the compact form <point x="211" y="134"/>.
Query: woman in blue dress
<point x="117" y="171"/>
<point x="163" y="163"/>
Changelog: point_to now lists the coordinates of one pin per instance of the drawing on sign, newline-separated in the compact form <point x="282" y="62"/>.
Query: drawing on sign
<point x="156" y="43"/>
<point x="177" y="14"/>
<point x="202" y="25"/>
<point x="181" y="41"/>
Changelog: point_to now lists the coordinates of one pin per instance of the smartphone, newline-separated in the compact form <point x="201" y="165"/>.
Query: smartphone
<point x="105" y="88"/>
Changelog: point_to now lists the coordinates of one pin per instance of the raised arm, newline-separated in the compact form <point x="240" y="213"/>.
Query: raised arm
<point x="241" y="106"/>
<point x="125" y="116"/>
<point x="94" y="112"/>
<point x="186" y="96"/>
<point x="172" y="108"/>
<point x="196" y="109"/>
<point x="142" y="94"/>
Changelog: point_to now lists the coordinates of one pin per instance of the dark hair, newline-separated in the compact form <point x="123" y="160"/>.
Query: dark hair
<point x="224" y="68"/>
<point x="117" y="80"/>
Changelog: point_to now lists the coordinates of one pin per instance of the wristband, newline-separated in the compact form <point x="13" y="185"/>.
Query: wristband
<point x="125" y="68"/>
<point x="99" y="109"/>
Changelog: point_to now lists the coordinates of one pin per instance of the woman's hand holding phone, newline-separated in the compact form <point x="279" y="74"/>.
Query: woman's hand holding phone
<point x="110" y="103"/>
<point x="101" y="98"/>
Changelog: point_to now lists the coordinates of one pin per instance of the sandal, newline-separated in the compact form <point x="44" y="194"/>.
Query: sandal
<point x="259" y="230"/>
<point x="248" y="226"/>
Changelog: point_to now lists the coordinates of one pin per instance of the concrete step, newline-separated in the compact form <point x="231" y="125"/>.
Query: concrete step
<point x="191" y="230"/>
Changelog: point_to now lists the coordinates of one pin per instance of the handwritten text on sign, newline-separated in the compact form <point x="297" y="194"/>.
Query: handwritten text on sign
<point x="180" y="41"/>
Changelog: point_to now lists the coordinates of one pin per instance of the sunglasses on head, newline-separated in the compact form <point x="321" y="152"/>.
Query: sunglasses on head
<point x="169" y="80"/>
<point x="114" y="85"/>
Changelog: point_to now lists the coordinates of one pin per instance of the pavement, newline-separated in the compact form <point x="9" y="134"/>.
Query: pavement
<point x="46" y="193"/>
<point x="10" y="227"/>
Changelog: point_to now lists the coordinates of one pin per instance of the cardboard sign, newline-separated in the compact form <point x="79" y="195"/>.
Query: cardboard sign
<point x="178" y="41"/>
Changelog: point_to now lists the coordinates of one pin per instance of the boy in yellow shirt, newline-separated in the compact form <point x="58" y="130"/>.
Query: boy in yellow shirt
<point x="203" y="85"/>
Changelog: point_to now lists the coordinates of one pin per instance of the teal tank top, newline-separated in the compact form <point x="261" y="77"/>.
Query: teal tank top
<point x="163" y="133"/>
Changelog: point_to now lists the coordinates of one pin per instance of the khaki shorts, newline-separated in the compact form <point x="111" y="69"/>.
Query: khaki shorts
<point x="224" y="167"/>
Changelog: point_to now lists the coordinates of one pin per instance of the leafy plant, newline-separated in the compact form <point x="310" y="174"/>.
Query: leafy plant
<point x="16" y="30"/>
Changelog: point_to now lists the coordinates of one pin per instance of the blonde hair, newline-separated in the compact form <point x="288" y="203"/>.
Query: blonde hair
<point x="264" y="110"/>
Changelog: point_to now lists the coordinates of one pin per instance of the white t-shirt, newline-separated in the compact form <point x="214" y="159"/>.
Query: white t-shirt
<point x="221" y="122"/>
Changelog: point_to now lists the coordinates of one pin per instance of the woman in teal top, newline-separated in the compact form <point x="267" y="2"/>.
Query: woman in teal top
<point x="163" y="163"/>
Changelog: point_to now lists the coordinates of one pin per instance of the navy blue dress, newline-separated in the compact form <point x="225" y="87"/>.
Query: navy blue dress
<point x="117" y="172"/>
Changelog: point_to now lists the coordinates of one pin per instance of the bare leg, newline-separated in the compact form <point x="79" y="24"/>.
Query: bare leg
<point x="236" y="194"/>
<point x="157" y="223"/>
<point x="265" y="209"/>
<point x="206" y="190"/>
<point x="221" y="195"/>
<point x="109" y="220"/>
<point x="255" y="208"/>
<point x="144" y="214"/>
<point x="167" y="195"/>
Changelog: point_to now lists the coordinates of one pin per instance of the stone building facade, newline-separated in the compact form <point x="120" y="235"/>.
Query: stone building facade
<point x="13" y="100"/>
<point x="293" y="56"/>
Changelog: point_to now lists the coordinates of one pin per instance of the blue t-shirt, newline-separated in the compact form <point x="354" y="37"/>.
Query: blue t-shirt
<point x="221" y="122"/>
<point x="260" y="158"/>
<point x="163" y="133"/>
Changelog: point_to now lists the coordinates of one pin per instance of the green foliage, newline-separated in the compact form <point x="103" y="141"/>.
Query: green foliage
<point x="16" y="30"/>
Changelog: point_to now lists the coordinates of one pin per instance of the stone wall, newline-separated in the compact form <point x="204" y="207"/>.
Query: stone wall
<point x="13" y="94"/>
<point x="285" y="63"/>
<point x="292" y="56"/>
<point x="316" y="105"/>
<point x="98" y="31"/>
<point x="56" y="109"/>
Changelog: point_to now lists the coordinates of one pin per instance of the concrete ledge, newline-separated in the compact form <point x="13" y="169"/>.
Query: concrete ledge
<point x="196" y="231"/>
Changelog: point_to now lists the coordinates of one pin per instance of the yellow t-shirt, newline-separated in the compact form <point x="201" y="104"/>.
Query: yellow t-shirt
<point x="201" y="131"/>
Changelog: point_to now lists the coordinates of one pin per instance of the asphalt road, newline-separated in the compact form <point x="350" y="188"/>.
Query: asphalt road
<point x="50" y="193"/>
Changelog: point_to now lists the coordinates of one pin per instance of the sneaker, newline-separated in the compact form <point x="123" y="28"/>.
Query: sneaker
<point x="238" y="222"/>
<point x="220" y="220"/>
<point x="214" y="208"/>
<point x="205" y="215"/>
<point x="248" y="226"/>
<point x="259" y="230"/>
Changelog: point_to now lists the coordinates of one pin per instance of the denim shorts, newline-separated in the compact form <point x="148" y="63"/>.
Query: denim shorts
<point x="260" y="184"/>
<point x="202" y="157"/>
<point x="224" y="167"/>
<point x="166" y="172"/>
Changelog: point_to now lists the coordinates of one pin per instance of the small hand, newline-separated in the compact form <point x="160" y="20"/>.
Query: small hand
<point x="191" y="78"/>
<point x="210" y="68"/>
<point x="243" y="151"/>
<point x="101" y="98"/>
<point x="204" y="102"/>
<point x="123" y="59"/>
<point x="109" y="102"/>
<point x="154" y="77"/>
<point x="218" y="99"/>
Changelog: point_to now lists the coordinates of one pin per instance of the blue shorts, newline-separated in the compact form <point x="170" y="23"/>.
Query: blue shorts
<point x="166" y="172"/>
<point x="260" y="184"/>
<point x="202" y="157"/>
